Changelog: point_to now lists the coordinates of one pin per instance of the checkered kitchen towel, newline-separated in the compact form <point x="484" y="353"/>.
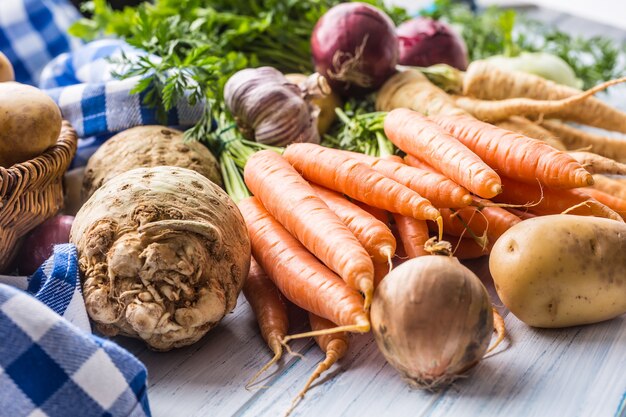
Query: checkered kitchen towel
<point x="50" y="363"/>
<point x="33" y="32"/>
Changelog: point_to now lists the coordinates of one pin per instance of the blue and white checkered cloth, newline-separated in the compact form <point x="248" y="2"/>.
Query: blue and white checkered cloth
<point x="33" y="32"/>
<point x="33" y="35"/>
<point x="50" y="363"/>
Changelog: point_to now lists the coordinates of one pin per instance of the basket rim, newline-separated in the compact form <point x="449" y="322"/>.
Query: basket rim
<point x="67" y="141"/>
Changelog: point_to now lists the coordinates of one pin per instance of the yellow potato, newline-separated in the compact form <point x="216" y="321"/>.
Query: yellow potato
<point x="30" y="122"/>
<point x="562" y="270"/>
<point x="6" y="69"/>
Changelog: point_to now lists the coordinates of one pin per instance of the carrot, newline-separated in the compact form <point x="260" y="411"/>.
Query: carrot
<point x="596" y="164"/>
<point x="438" y="189"/>
<point x="541" y="200"/>
<point x="378" y="214"/>
<point x="575" y="139"/>
<point x="467" y="248"/>
<point x="269" y="310"/>
<point x="485" y="81"/>
<point x="532" y="130"/>
<point x="373" y="234"/>
<point x="499" y="327"/>
<point x="338" y="171"/>
<point x="615" y="203"/>
<point x="292" y="201"/>
<point x="567" y="108"/>
<point x="522" y="214"/>
<point x="611" y="186"/>
<point x="381" y="269"/>
<point x="335" y="346"/>
<point x="413" y="234"/>
<point x="421" y="137"/>
<point x="418" y="163"/>
<point x="298" y="274"/>
<point x="410" y="89"/>
<point x="516" y="156"/>
<point x="478" y="223"/>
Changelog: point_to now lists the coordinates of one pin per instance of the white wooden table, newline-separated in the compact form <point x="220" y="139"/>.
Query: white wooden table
<point x="579" y="371"/>
<point x="575" y="372"/>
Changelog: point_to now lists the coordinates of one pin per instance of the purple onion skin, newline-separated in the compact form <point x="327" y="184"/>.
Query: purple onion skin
<point x="425" y="42"/>
<point x="38" y="245"/>
<point x="342" y="30"/>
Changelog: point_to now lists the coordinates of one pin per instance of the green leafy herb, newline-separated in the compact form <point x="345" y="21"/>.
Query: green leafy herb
<point x="360" y="129"/>
<point x="201" y="43"/>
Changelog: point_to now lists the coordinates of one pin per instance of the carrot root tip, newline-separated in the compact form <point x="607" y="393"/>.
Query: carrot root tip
<point x="496" y="189"/>
<point x="499" y="328"/>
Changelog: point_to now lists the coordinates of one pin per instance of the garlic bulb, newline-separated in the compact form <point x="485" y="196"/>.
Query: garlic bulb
<point x="269" y="109"/>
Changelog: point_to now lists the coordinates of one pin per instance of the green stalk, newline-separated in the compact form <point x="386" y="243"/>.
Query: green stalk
<point x="233" y="182"/>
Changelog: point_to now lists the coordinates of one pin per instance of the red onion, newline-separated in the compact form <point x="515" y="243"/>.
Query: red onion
<point x="354" y="46"/>
<point x="38" y="244"/>
<point x="425" y="42"/>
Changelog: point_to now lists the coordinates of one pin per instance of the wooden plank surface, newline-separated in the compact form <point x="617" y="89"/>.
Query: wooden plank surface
<point x="579" y="371"/>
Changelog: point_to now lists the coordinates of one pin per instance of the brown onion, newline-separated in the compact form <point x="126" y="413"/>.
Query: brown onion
<point x="432" y="320"/>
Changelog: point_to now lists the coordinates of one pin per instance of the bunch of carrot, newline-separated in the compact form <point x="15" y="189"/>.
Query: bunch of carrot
<point x="321" y="219"/>
<point x="496" y="150"/>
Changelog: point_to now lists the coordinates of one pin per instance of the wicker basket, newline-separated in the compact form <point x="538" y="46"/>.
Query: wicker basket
<point x="32" y="191"/>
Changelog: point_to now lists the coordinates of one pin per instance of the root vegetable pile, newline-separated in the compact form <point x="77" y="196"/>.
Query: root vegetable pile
<point x="453" y="165"/>
<point x="163" y="253"/>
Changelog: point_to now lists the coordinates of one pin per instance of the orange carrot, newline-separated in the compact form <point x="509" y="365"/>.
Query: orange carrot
<point x="269" y="310"/>
<point x="335" y="346"/>
<point x="517" y="156"/>
<point x="522" y="214"/>
<point x="438" y="189"/>
<point x="292" y="201"/>
<point x="413" y="234"/>
<point x="542" y="200"/>
<point x="298" y="274"/>
<point x="420" y="136"/>
<point x="418" y="163"/>
<point x="615" y="203"/>
<point x="338" y="171"/>
<point x="373" y="234"/>
<point x="378" y="214"/>
<point x="381" y="269"/>
<point x="490" y="222"/>
<point x="466" y="248"/>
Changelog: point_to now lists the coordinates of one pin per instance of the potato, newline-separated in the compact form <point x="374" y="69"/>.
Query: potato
<point x="30" y="123"/>
<point x="6" y="69"/>
<point x="562" y="270"/>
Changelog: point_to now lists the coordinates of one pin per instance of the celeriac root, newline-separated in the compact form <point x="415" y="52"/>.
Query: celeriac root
<point x="610" y="147"/>
<point x="565" y="108"/>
